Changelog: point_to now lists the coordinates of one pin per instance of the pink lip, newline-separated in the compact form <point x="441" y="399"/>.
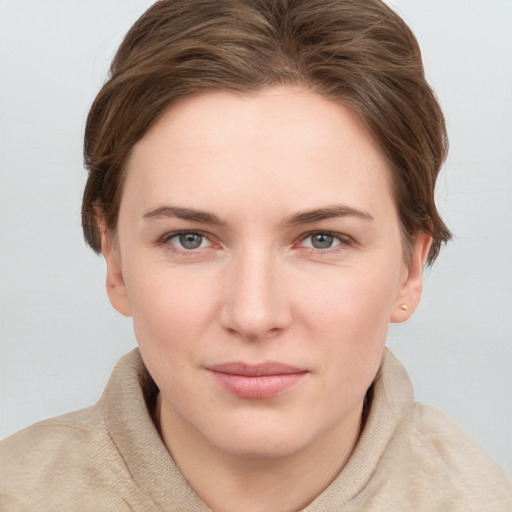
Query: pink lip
<point x="256" y="381"/>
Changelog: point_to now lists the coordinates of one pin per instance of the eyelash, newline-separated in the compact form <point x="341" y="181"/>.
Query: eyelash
<point x="166" y="239"/>
<point x="342" y="239"/>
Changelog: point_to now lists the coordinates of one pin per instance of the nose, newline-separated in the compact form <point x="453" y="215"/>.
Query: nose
<point x="255" y="304"/>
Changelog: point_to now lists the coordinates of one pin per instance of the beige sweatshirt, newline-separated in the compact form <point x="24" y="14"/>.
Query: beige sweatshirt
<point x="109" y="457"/>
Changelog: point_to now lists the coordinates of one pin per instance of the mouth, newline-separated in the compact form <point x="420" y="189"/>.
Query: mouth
<point x="256" y="382"/>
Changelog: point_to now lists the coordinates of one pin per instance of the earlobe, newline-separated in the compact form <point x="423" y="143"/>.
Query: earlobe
<point x="409" y="294"/>
<point x="116" y="288"/>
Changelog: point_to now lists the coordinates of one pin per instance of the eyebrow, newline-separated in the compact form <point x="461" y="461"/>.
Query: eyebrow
<point x="328" y="212"/>
<point x="302" y="217"/>
<point x="183" y="213"/>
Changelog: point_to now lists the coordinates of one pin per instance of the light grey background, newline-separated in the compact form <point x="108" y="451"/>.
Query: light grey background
<point x="59" y="336"/>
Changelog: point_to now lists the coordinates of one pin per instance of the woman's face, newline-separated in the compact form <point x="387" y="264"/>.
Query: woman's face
<point x="259" y="253"/>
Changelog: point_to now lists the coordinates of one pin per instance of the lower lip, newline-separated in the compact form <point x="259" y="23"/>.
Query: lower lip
<point x="258" y="387"/>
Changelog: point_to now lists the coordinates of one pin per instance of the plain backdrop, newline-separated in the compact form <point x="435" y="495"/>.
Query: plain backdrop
<point x="59" y="336"/>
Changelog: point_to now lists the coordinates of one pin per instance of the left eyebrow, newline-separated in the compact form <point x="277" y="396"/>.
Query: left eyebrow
<point x="329" y="212"/>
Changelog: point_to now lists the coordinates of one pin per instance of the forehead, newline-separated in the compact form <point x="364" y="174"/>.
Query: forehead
<point x="282" y="145"/>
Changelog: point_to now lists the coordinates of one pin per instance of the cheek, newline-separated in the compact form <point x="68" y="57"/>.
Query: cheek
<point x="172" y="318"/>
<point x="349" y="320"/>
<point x="170" y="308"/>
<point x="350" y="299"/>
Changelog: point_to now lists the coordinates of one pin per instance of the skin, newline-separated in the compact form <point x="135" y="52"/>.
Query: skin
<point x="256" y="289"/>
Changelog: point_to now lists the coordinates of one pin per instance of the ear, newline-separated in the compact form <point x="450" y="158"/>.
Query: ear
<point x="409" y="294"/>
<point x="116" y="289"/>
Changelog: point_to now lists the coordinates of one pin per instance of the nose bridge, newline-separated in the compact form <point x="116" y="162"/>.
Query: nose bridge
<point x="255" y="304"/>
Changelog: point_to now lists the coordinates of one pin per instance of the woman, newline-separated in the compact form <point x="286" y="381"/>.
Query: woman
<point x="261" y="185"/>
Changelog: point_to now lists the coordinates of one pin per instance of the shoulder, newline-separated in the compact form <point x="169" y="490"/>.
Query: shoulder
<point x="426" y="461"/>
<point x="441" y="461"/>
<point x="42" y="443"/>
<point x="80" y="461"/>
<point x="440" y="441"/>
<point x="54" y="458"/>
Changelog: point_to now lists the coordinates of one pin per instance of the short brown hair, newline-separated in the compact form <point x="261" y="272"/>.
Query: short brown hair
<point x="355" y="52"/>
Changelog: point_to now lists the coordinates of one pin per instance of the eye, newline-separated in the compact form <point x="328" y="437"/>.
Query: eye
<point x="188" y="240"/>
<point x="321" y="240"/>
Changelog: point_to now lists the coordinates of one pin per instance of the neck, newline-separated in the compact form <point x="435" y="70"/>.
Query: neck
<point x="228" y="483"/>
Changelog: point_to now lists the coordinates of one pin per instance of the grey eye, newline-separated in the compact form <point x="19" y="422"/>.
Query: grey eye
<point x="190" y="240"/>
<point x="322" y="240"/>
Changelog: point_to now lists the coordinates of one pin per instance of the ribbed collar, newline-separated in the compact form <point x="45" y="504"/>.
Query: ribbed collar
<point x="153" y="470"/>
<point x="393" y="395"/>
<point x="133" y="432"/>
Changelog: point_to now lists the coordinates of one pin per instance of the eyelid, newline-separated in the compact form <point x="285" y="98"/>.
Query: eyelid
<point x="344" y="240"/>
<point x="167" y="237"/>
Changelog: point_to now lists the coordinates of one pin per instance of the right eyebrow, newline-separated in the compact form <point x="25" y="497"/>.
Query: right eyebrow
<point x="190" y="214"/>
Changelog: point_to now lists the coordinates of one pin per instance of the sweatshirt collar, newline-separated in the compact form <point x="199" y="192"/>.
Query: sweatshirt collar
<point x="125" y="409"/>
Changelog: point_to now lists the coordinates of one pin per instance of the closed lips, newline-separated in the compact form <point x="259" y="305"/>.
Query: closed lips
<point x="255" y="370"/>
<point x="260" y="381"/>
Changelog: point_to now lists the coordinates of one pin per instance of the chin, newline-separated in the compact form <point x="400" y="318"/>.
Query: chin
<point x="261" y="449"/>
<point x="261" y="441"/>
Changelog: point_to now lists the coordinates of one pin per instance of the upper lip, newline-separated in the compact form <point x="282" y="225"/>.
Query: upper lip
<point x="255" y="370"/>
